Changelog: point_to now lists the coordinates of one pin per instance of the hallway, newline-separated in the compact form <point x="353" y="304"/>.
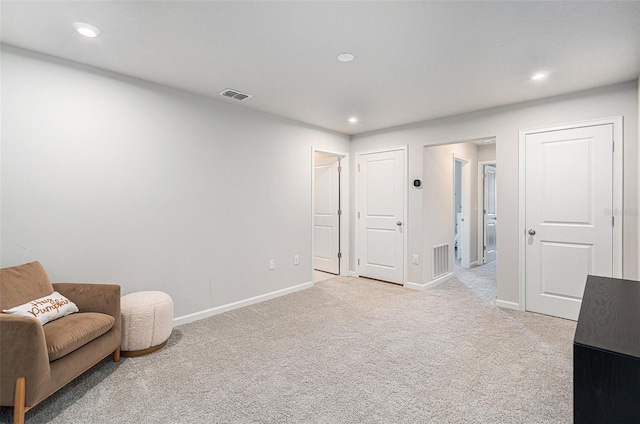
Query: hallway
<point x="482" y="280"/>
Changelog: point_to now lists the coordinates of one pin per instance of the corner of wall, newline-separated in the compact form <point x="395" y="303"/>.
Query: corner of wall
<point x="638" y="176"/>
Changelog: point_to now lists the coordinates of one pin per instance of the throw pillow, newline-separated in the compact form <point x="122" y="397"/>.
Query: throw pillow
<point x="46" y="308"/>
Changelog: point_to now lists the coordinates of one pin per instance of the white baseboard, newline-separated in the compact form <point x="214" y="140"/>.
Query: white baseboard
<point x="429" y="284"/>
<point x="508" y="305"/>
<point x="239" y="304"/>
<point x="474" y="263"/>
<point x="439" y="280"/>
<point x="413" y="286"/>
<point x="352" y="274"/>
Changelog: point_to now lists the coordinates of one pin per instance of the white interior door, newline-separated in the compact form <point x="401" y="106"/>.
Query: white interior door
<point x="326" y="218"/>
<point x="380" y="216"/>
<point x="457" y="208"/>
<point x="490" y="214"/>
<point x="569" y="196"/>
<point x="462" y="236"/>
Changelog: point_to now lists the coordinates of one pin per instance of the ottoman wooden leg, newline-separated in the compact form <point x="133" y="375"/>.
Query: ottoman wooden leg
<point x="133" y="353"/>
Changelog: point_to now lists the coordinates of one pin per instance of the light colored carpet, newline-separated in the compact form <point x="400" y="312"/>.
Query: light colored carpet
<point x="347" y="350"/>
<point x="321" y="276"/>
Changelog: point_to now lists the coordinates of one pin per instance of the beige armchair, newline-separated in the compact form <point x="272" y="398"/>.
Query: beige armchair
<point x="37" y="360"/>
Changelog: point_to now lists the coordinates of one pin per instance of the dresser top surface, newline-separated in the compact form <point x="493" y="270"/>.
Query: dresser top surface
<point x="610" y="316"/>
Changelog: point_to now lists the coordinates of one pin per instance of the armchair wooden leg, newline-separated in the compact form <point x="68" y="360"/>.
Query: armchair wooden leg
<point x="116" y="355"/>
<point x="18" y="404"/>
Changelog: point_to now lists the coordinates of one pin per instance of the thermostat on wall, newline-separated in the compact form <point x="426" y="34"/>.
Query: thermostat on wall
<point x="417" y="183"/>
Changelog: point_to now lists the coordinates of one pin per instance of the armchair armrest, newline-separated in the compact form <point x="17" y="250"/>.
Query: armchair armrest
<point x="23" y="353"/>
<point x="91" y="297"/>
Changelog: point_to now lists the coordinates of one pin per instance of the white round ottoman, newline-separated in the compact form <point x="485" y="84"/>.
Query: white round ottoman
<point x="147" y="321"/>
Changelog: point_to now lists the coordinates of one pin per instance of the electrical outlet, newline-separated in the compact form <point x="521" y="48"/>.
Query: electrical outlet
<point x="415" y="260"/>
<point x="272" y="264"/>
<point x="296" y="259"/>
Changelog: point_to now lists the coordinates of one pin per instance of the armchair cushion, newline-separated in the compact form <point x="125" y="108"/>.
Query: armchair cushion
<point x="20" y="284"/>
<point x="45" y="308"/>
<point x="69" y="333"/>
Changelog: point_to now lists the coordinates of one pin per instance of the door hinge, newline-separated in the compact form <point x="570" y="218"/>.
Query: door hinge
<point x="358" y="167"/>
<point x="339" y="212"/>
<point x="358" y="215"/>
<point x="613" y="221"/>
<point x="339" y="255"/>
<point x="613" y="146"/>
<point x="358" y="261"/>
<point x="339" y="169"/>
<point x="484" y="247"/>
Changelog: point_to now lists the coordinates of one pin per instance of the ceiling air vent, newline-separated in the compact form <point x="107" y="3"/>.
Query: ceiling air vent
<point x="235" y="94"/>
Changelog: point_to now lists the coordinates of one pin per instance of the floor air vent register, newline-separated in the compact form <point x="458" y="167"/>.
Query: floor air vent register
<point x="440" y="264"/>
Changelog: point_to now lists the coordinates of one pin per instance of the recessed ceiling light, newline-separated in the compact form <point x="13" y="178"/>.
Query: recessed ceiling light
<point x="86" y="29"/>
<point x="539" y="76"/>
<point x="353" y="119"/>
<point x="345" y="57"/>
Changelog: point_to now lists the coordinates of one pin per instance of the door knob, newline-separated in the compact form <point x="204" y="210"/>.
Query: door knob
<point x="399" y="223"/>
<point x="532" y="232"/>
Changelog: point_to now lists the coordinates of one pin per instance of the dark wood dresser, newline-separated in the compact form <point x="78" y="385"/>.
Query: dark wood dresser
<point x="606" y="353"/>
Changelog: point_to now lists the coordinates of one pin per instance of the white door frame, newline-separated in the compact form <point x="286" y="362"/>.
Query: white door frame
<point x="465" y="202"/>
<point x="481" y="165"/>
<point x="404" y="206"/>
<point x="616" y="121"/>
<point x="344" y="206"/>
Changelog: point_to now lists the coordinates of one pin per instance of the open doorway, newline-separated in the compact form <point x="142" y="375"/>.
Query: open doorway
<point x="453" y="206"/>
<point x="329" y="214"/>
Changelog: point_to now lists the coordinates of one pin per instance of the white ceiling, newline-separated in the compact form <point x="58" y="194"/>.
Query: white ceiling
<point x="414" y="60"/>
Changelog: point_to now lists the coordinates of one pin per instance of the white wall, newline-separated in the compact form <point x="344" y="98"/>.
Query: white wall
<point x="504" y="123"/>
<point x="486" y="152"/>
<point x="112" y="179"/>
